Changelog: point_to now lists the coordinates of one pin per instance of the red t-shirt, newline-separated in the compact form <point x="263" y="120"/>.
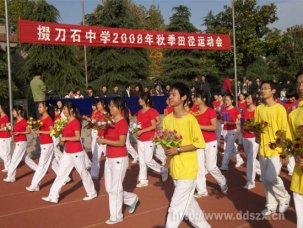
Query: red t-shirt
<point x="195" y="108"/>
<point x="289" y="106"/>
<point x="145" y="120"/>
<point x="100" y="132"/>
<point x="47" y="123"/>
<point x="4" y="121"/>
<point x="242" y="105"/>
<point x="57" y="116"/>
<point x="204" y="119"/>
<point x="232" y="115"/>
<point x="20" y="127"/>
<point x="216" y="104"/>
<point x="69" y="131"/>
<point x="169" y="109"/>
<point x="247" y="116"/>
<point x="120" y="128"/>
<point x="98" y="116"/>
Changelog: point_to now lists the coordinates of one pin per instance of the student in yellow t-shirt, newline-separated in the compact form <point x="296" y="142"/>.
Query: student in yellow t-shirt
<point x="295" y="120"/>
<point x="275" y="115"/>
<point x="184" y="162"/>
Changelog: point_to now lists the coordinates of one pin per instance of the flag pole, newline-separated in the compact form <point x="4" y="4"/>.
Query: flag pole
<point x="85" y="54"/>
<point x="235" y="52"/>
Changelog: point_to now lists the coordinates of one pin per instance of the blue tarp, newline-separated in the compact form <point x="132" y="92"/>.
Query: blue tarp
<point x="85" y="105"/>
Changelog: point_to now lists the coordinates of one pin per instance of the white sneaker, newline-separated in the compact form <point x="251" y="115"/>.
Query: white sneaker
<point x="8" y="180"/>
<point x="238" y="164"/>
<point x="90" y="197"/>
<point x="249" y="186"/>
<point x="283" y="207"/>
<point x="68" y="179"/>
<point x="4" y="170"/>
<point x="267" y="212"/>
<point x="200" y="195"/>
<point x="142" y="184"/>
<point x="47" y="199"/>
<point x="132" y="207"/>
<point x="135" y="161"/>
<point x="164" y="174"/>
<point x="31" y="189"/>
<point x="111" y="222"/>
<point x="224" y="188"/>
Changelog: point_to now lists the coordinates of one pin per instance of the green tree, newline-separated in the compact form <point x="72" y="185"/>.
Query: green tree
<point x="181" y="64"/>
<point x="58" y="65"/>
<point x="116" y="66"/>
<point x="252" y="23"/>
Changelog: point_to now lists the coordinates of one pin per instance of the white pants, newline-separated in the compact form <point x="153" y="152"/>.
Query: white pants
<point x="18" y="155"/>
<point x="130" y="148"/>
<point x="219" y="131"/>
<point x="95" y="168"/>
<point x="291" y="165"/>
<point x="114" y="173"/>
<point x="298" y="198"/>
<point x="251" y="149"/>
<point x="183" y="204"/>
<point x="94" y="134"/>
<point x="46" y="156"/>
<point x="67" y="163"/>
<point x="160" y="153"/>
<point x="274" y="187"/>
<point x="230" y="147"/>
<point x="57" y="152"/>
<point x="207" y="160"/>
<point x="146" y="151"/>
<point x="5" y="151"/>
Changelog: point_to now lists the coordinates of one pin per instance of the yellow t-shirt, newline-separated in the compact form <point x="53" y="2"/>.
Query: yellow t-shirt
<point x="184" y="166"/>
<point x="276" y="117"/>
<point x="295" y="120"/>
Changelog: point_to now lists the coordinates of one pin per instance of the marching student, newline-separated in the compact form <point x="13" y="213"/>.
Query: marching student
<point x="147" y="116"/>
<point x="20" y="129"/>
<point x="230" y="116"/>
<point x="250" y="146"/>
<point x="218" y="105"/>
<point x="207" y="158"/>
<point x="117" y="162"/>
<point x="130" y="149"/>
<point x="46" y="144"/>
<point x="5" y="139"/>
<point x="73" y="157"/>
<point x="97" y="149"/>
<point x="276" y="117"/>
<point x="295" y="120"/>
<point x="184" y="161"/>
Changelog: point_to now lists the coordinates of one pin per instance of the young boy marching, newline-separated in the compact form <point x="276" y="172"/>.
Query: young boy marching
<point x="295" y="120"/>
<point x="275" y="115"/>
<point x="184" y="162"/>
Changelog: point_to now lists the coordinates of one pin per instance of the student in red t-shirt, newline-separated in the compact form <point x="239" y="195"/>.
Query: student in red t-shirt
<point x="207" y="158"/>
<point x="97" y="149"/>
<point x="46" y="143"/>
<point x="147" y="116"/>
<point x="230" y="116"/>
<point x="5" y="139"/>
<point x="250" y="146"/>
<point x="20" y="130"/>
<point x="241" y="103"/>
<point x="168" y="108"/>
<point x="117" y="162"/>
<point x="73" y="157"/>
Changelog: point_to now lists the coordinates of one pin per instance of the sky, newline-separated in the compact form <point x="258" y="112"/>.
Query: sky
<point x="289" y="12"/>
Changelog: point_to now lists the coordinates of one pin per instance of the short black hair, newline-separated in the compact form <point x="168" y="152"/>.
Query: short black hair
<point x="183" y="90"/>
<point x="272" y="84"/>
<point x="300" y="72"/>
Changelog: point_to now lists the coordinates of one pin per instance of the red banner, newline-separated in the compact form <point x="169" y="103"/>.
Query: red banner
<point x="65" y="34"/>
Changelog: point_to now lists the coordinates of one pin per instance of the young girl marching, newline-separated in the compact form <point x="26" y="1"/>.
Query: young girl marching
<point x="20" y="130"/>
<point x="184" y="161"/>
<point x="47" y="146"/>
<point x="73" y="157"/>
<point x="97" y="149"/>
<point x="117" y="162"/>
<point x="250" y="146"/>
<point x="218" y="105"/>
<point x="5" y="139"/>
<point x="147" y="116"/>
<point x="230" y="115"/>
<point x="207" y="157"/>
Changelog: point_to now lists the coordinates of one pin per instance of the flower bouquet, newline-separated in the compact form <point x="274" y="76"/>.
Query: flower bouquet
<point x="103" y="124"/>
<point x="7" y="127"/>
<point x="252" y="126"/>
<point x="167" y="138"/>
<point x="34" y="124"/>
<point x="135" y="127"/>
<point x="289" y="147"/>
<point x="58" y="127"/>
